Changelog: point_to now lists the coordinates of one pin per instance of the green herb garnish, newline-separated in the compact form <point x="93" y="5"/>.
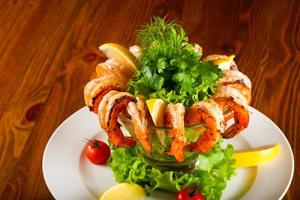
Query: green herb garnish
<point x="170" y="67"/>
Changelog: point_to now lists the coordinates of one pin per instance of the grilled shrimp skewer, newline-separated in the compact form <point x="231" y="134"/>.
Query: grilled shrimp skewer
<point x="138" y="114"/>
<point x="112" y="104"/>
<point x="174" y="119"/>
<point x="97" y="88"/>
<point x="210" y="113"/>
<point x="231" y="98"/>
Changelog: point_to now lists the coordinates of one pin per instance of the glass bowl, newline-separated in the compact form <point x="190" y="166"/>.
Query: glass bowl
<point x="161" y="140"/>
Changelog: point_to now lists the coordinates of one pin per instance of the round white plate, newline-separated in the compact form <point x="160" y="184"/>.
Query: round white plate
<point x="69" y="175"/>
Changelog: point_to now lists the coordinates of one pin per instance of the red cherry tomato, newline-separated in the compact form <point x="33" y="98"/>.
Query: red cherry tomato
<point x="97" y="151"/>
<point x="189" y="194"/>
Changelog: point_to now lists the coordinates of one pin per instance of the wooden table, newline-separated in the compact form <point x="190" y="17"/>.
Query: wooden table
<point x="48" y="51"/>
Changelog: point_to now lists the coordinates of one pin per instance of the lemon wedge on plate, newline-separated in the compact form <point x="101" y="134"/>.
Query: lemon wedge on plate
<point x="120" y="53"/>
<point x="256" y="157"/>
<point x="124" y="191"/>
<point x="156" y="108"/>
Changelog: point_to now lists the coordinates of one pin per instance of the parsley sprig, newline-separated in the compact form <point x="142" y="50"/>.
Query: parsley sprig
<point x="170" y="68"/>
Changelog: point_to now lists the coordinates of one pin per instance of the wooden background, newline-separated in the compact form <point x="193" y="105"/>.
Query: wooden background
<point x="48" y="51"/>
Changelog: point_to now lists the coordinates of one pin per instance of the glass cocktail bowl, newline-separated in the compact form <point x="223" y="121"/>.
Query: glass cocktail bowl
<point x="161" y="140"/>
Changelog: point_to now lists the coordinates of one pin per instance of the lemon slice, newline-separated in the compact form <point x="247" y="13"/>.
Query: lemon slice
<point x="156" y="108"/>
<point x="120" y="53"/>
<point x="124" y="191"/>
<point x="253" y="158"/>
<point x="225" y="60"/>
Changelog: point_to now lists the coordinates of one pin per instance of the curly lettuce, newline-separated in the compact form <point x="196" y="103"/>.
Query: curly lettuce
<point x="210" y="174"/>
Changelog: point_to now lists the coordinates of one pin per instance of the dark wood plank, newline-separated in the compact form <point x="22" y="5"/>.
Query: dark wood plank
<point x="48" y="49"/>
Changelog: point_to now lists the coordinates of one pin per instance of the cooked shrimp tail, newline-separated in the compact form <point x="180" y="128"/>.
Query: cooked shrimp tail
<point x="96" y="89"/>
<point x="239" y="81"/>
<point x="230" y="98"/>
<point x="209" y="113"/>
<point x="138" y="114"/>
<point x="174" y="119"/>
<point x="115" y="104"/>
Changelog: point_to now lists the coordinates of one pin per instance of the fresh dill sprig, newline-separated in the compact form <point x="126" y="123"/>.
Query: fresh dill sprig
<point x="158" y="31"/>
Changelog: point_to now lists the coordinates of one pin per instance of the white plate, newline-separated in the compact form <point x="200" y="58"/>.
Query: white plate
<point x="69" y="175"/>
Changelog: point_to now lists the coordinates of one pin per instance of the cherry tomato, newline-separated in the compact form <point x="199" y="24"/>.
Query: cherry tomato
<point x="189" y="194"/>
<point x="97" y="151"/>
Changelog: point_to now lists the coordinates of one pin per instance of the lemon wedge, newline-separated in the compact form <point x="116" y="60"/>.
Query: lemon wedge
<point x="120" y="53"/>
<point x="156" y="108"/>
<point x="124" y="191"/>
<point x="225" y="60"/>
<point x="253" y="158"/>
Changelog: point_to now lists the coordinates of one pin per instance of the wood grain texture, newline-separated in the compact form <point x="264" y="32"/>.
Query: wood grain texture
<point x="49" y="50"/>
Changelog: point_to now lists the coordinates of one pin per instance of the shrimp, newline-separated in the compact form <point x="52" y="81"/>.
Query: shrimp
<point x="138" y="114"/>
<point x="174" y="119"/>
<point x="231" y="98"/>
<point x="97" y="88"/>
<point x="215" y="58"/>
<point x="114" y="68"/>
<point x="102" y="108"/>
<point x="198" y="49"/>
<point x="136" y="51"/>
<point x="239" y="81"/>
<point x="115" y="103"/>
<point x="210" y="113"/>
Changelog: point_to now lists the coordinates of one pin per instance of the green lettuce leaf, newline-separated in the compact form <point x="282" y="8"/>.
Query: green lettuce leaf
<point x="210" y="175"/>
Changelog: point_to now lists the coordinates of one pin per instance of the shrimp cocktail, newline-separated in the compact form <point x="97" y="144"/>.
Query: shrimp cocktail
<point x="166" y="109"/>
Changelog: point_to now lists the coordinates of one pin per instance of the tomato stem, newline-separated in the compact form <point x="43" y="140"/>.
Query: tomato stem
<point x="95" y="144"/>
<point x="91" y="142"/>
<point x="192" y="193"/>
